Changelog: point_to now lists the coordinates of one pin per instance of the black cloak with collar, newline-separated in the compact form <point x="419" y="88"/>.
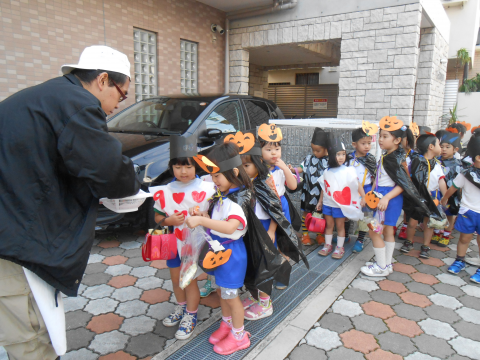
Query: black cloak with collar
<point x="473" y="175"/>
<point x="368" y="161"/>
<point x="453" y="167"/>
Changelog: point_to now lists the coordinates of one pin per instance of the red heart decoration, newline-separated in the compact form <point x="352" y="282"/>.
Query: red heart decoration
<point x="181" y="234"/>
<point x="184" y="212"/>
<point x="160" y="196"/>
<point x="178" y="197"/>
<point x="343" y="197"/>
<point x="198" y="196"/>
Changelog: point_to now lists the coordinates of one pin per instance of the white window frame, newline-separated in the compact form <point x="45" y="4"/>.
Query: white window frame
<point x="145" y="75"/>
<point x="188" y="67"/>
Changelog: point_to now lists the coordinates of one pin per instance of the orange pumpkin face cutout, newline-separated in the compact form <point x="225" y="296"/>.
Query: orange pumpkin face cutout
<point x="390" y="123"/>
<point x="245" y="142"/>
<point x="415" y="129"/>
<point x="213" y="260"/>
<point x="467" y="125"/>
<point x="206" y="164"/>
<point x="372" y="200"/>
<point x="369" y="128"/>
<point x="270" y="133"/>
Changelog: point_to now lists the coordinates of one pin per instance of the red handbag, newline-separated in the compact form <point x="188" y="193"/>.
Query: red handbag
<point x="159" y="247"/>
<point x="314" y="224"/>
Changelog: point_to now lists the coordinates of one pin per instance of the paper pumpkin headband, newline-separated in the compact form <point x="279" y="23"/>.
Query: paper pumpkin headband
<point x="246" y="143"/>
<point x="391" y="123"/>
<point x="452" y="130"/>
<point x="415" y="129"/>
<point x="210" y="167"/>
<point x="369" y="128"/>
<point x="467" y="125"/>
<point x="270" y="133"/>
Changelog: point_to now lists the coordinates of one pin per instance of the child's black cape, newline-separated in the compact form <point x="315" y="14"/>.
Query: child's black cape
<point x="287" y="240"/>
<point x="294" y="216"/>
<point x="453" y="167"/>
<point x="368" y="161"/>
<point x="395" y="167"/>
<point x="419" y="174"/>
<point x="472" y="174"/>
<point x="264" y="261"/>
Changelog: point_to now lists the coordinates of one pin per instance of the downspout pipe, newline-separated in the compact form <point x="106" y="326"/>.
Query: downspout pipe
<point x="279" y="5"/>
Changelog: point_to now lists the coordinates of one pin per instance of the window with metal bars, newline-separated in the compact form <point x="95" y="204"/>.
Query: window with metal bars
<point x="307" y="79"/>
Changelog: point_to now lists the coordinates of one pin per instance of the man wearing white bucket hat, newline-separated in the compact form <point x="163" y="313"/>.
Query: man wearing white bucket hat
<point x="56" y="160"/>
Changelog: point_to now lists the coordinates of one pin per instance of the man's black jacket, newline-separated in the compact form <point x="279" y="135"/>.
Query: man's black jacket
<point x="56" y="161"/>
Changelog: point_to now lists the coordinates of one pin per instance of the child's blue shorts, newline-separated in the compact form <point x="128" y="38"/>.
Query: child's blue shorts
<point x="266" y="225"/>
<point x="285" y="208"/>
<point x="174" y="263"/>
<point x="468" y="223"/>
<point x="394" y="208"/>
<point x="335" y="212"/>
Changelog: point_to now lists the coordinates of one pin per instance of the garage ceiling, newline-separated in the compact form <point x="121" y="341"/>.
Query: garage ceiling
<point x="234" y="5"/>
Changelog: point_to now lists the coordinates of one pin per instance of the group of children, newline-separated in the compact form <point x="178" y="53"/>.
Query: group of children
<point x="242" y="204"/>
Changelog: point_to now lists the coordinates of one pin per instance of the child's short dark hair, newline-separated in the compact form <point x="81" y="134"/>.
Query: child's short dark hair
<point x="227" y="151"/>
<point x="259" y="164"/>
<point x="424" y="142"/>
<point x="263" y="143"/>
<point x="181" y="161"/>
<point x="359" y="134"/>
<point x="461" y="128"/>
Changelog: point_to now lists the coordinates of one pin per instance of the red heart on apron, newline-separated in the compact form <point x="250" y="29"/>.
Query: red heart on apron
<point x="160" y="196"/>
<point x="184" y="212"/>
<point x="343" y="197"/>
<point x="198" y="196"/>
<point x="181" y="234"/>
<point x="178" y="197"/>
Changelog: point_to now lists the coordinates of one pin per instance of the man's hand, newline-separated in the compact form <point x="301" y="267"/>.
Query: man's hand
<point x="194" y="221"/>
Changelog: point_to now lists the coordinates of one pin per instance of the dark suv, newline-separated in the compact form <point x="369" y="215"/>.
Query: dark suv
<point x="144" y="129"/>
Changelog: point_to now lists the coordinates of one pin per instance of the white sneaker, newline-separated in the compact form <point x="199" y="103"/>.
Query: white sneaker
<point x="374" y="270"/>
<point x="389" y="267"/>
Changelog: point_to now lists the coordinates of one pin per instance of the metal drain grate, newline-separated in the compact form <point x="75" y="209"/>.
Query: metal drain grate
<point x="302" y="283"/>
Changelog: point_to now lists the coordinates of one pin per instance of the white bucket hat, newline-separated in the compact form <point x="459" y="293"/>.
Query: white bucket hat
<point x="99" y="57"/>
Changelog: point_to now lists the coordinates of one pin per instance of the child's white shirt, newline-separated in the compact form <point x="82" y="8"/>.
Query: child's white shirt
<point x="384" y="179"/>
<point x="470" y="194"/>
<point x="279" y="179"/>
<point x="360" y="170"/>
<point x="226" y="211"/>
<point x="435" y="176"/>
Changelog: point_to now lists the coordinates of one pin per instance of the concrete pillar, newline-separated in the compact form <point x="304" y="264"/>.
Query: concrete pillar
<point x="239" y="71"/>
<point x="258" y="80"/>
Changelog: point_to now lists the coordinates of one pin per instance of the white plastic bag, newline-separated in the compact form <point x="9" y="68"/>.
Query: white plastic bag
<point x="190" y="253"/>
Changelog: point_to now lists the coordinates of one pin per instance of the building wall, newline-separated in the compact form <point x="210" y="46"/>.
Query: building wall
<point x="325" y="76"/>
<point x="258" y="81"/>
<point x="38" y="36"/>
<point x="471" y="72"/>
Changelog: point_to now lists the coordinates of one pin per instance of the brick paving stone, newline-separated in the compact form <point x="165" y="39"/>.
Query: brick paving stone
<point x="155" y="296"/>
<point x="428" y="269"/>
<point x="109" y="342"/>
<point x="119" y="355"/>
<point x="104" y="323"/>
<point x="403" y="326"/>
<point x="415" y="299"/>
<point x="356" y="295"/>
<point x="450" y="290"/>
<point x="78" y="338"/>
<point x="144" y="271"/>
<point x="404" y="268"/>
<point x="95" y="258"/>
<point x="424" y="278"/>
<point x="213" y="301"/>
<point x="307" y="352"/>
<point x="441" y="313"/>
<point x="451" y="279"/>
<point x="410" y="258"/>
<point x="323" y="339"/>
<point x="347" y="308"/>
<point x="365" y="285"/>
<point x="458" y="357"/>
<point x="396" y="343"/>
<point x="95" y="268"/>
<point x="131" y="308"/>
<point x="129" y="245"/>
<point x="467" y="330"/>
<point x="336" y="322"/>
<point x="95" y="250"/>
<point x="399" y="277"/>
<point x="445" y="301"/>
<point x="163" y="274"/>
<point x="437" y="252"/>
<point x="166" y="332"/>
<point x="98" y="291"/>
<point x="470" y="315"/>
<point x="96" y="279"/>
<point x="410" y="312"/>
<point x="135" y="253"/>
<point x="385" y="297"/>
<point x="437" y="328"/>
<point x="112" y="252"/>
<point x="420" y="288"/>
<point x="107" y="244"/>
<point x="101" y="306"/>
<point x="419" y="356"/>
<point x="127" y="293"/>
<point x="135" y="261"/>
<point x="378" y="310"/>
<point x="115" y="260"/>
<point x="149" y="283"/>
<point x="159" y="264"/>
<point x="343" y="353"/>
<point x="466" y="347"/>
<point x="433" y="346"/>
<point x="122" y="281"/>
<point x="204" y="312"/>
<point x="433" y="262"/>
<point x="160" y="311"/>
<point x="392" y="286"/>
<point x="82" y="354"/>
<point x="138" y="325"/>
<point x="74" y="303"/>
<point x="117" y="270"/>
<point x="359" y="341"/>
<point x="76" y="319"/>
<point x="380" y="354"/>
<point x="470" y="302"/>
<point x="369" y="324"/>
<point x="167" y="285"/>
<point x="145" y="345"/>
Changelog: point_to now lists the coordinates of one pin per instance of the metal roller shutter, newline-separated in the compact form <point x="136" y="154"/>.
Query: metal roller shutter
<point x="450" y="98"/>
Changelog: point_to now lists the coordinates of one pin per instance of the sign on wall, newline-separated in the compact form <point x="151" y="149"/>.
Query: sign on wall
<point x="320" y="104"/>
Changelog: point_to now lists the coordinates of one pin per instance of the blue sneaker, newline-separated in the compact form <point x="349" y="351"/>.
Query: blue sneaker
<point x="456" y="267"/>
<point x="207" y="289"/>
<point x="476" y="277"/>
<point x="175" y="317"/>
<point x="280" y="286"/>
<point x="357" y="247"/>
<point x="187" y="325"/>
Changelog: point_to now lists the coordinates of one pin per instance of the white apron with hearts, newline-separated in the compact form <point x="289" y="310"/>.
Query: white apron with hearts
<point x="179" y="197"/>
<point x="341" y="185"/>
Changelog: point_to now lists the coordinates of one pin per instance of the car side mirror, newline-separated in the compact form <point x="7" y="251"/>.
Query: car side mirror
<point x="210" y="135"/>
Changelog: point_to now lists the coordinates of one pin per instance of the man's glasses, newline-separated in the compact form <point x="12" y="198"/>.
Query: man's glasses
<point x="123" y="96"/>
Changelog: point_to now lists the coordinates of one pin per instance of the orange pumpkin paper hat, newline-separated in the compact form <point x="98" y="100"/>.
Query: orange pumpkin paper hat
<point x="467" y="125"/>
<point x="415" y="129"/>
<point x="391" y="123"/>
<point x="247" y="144"/>
<point x="270" y="133"/>
<point x="369" y="128"/>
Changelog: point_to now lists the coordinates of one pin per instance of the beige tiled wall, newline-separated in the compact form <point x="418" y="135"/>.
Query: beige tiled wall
<point x="38" y="36"/>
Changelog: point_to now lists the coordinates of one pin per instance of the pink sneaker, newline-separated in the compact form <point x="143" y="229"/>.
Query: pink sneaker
<point x="249" y="301"/>
<point x="229" y="345"/>
<point x="257" y="312"/>
<point x="220" y="334"/>
<point x="338" y="253"/>
<point x="327" y="249"/>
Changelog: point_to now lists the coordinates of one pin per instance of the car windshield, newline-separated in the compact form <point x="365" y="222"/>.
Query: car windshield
<point x="157" y="116"/>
